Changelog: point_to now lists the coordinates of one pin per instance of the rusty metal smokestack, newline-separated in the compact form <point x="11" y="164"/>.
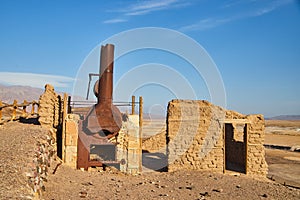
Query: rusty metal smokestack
<point x="103" y="120"/>
<point x="106" y="74"/>
<point x="108" y="117"/>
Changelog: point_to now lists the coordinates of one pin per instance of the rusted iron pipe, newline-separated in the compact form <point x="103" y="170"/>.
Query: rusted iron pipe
<point x="106" y="74"/>
<point x="108" y="116"/>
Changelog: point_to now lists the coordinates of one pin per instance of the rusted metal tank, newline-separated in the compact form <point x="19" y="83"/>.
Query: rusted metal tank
<point x="103" y="121"/>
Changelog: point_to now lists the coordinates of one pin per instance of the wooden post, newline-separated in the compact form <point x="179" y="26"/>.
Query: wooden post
<point x="38" y="111"/>
<point x="32" y="107"/>
<point x="133" y="105"/>
<point x="24" y="113"/>
<point x="1" y="110"/>
<point x="141" y="112"/>
<point x="14" y="112"/>
<point x="37" y="107"/>
<point x="246" y="147"/>
<point x="140" y="130"/>
<point x="69" y="105"/>
<point x="65" y="105"/>
<point x="66" y="99"/>
<point x="224" y="148"/>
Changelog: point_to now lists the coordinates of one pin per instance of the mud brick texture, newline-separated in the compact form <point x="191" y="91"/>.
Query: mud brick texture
<point x="203" y="136"/>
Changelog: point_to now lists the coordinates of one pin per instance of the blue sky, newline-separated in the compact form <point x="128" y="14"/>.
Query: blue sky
<point x="255" y="45"/>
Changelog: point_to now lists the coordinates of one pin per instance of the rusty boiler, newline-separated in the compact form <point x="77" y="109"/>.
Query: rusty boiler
<point x="102" y="122"/>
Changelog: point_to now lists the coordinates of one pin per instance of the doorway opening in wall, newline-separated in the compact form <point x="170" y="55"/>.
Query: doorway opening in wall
<point x="235" y="147"/>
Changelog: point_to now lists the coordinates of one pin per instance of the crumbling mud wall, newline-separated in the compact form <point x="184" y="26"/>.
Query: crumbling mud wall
<point x="197" y="132"/>
<point x="156" y="143"/>
<point x="256" y="163"/>
<point x="194" y="136"/>
<point x="247" y="148"/>
<point x="50" y="108"/>
<point x="38" y="169"/>
<point x="52" y="111"/>
<point x="129" y="151"/>
<point x="70" y="140"/>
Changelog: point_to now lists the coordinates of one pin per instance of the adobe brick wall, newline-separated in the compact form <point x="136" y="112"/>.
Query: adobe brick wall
<point x="129" y="146"/>
<point x="256" y="152"/>
<point x="70" y="139"/>
<point x="155" y="143"/>
<point x="195" y="138"/>
<point x="38" y="170"/>
<point x="50" y="108"/>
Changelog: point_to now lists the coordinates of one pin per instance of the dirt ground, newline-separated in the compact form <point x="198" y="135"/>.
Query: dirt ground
<point x="74" y="184"/>
<point x="17" y="149"/>
<point x="284" y="165"/>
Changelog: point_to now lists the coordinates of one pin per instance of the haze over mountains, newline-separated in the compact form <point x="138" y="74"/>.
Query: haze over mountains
<point x="9" y="93"/>
<point x="285" y="117"/>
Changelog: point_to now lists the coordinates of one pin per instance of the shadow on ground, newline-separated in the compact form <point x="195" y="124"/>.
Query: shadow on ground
<point x="33" y="121"/>
<point x="154" y="161"/>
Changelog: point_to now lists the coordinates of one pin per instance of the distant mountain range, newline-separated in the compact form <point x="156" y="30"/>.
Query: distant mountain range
<point x="285" y="117"/>
<point x="9" y="93"/>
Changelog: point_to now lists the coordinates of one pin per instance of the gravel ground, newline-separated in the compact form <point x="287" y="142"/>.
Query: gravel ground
<point x="74" y="184"/>
<point x="17" y="149"/>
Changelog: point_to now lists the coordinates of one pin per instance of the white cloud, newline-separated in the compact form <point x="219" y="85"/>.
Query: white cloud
<point x="113" y="21"/>
<point x="233" y="3"/>
<point x="272" y="6"/>
<point x="210" y="23"/>
<point x="205" y="24"/>
<point x="145" y="7"/>
<point x="35" y="80"/>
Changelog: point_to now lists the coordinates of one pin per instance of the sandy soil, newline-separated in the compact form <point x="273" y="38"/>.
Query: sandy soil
<point x="283" y="123"/>
<point x="74" y="184"/>
<point x="17" y="148"/>
<point x="284" y="166"/>
<point x="282" y="140"/>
